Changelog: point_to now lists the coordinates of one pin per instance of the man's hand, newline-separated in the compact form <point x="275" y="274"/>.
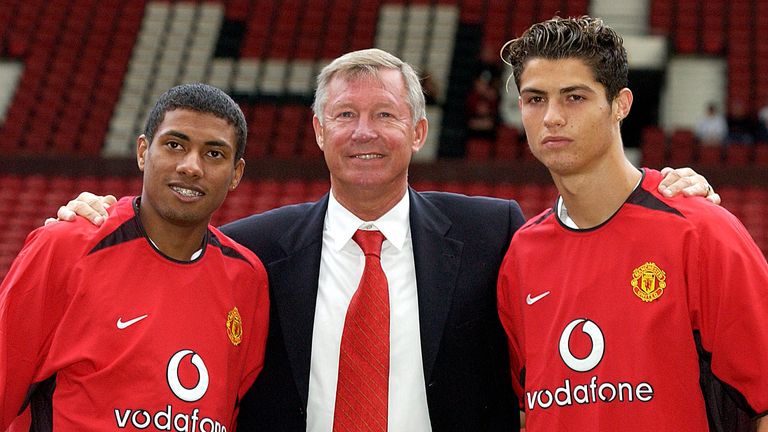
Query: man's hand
<point x="90" y="206"/>
<point x="687" y="181"/>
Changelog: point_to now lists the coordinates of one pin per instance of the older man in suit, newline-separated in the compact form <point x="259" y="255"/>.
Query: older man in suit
<point x="447" y="367"/>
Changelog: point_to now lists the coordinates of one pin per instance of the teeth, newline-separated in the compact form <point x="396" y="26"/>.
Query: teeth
<point x="186" y="192"/>
<point x="369" y="156"/>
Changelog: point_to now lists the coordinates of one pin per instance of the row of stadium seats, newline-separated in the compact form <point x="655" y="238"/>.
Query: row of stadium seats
<point x="681" y="147"/>
<point x="75" y="55"/>
<point x="92" y="68"/>
<point x="25" y="201"/>
<point x="735" y="29"/>
<point x="506" y="20"/>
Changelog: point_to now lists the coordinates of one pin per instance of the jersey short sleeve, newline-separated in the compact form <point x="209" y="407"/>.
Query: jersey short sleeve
<point x="32" y="300"/>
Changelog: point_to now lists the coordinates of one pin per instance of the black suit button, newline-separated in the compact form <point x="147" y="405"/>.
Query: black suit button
<point x="431" y="384"/>
<point x="302" y="411"/>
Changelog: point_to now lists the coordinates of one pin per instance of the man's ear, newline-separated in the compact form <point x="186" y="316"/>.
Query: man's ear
<point x="623" y="103"/>
<point x="142" y="146"/>
<point x="420" y="135"/>
<point x="238" y="175"/>
<point x="318" y="127"/>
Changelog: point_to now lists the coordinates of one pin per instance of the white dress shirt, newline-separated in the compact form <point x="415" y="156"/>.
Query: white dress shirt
<point x="341" y="266"/>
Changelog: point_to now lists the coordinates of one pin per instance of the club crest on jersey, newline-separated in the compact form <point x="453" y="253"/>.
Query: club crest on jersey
<point x="648" y="282"/>
<point x="234" y="327"/>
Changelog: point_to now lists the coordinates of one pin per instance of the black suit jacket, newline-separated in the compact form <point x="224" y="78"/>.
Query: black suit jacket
<point x="458" y="244"/>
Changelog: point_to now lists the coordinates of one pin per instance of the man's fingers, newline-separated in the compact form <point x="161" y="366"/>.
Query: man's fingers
<point x="90" y="206"/>
<point x="108" y="200"/>
<point x="696" y="187"/>
<point x="91" y="210"/>
<point x="666" y="170"/>
<point x="687" y="181"/>
<point x="709" y="192"/>
<point x="95" y="203"/>
<point x="65" y="214"/>
<point x="672" y="176"/>
<point x="691" y="184"/>
<point x="674" y="183"/>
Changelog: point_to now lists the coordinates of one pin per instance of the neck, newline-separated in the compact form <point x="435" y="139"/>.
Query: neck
<point x="176" y="241"/>
<point x="593" y="197"/>
<point x="368" y="204"/>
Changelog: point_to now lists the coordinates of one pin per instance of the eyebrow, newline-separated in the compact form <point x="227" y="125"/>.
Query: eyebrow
<point x="563" y="90"/>
<point x="185" y="137"/>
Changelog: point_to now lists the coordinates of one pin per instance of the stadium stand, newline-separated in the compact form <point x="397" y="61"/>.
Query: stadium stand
<point x="90" y="68"/>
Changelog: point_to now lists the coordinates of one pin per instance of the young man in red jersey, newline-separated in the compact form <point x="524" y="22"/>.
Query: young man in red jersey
<point x="154" y="320"/>
<point x="624" y="309"/>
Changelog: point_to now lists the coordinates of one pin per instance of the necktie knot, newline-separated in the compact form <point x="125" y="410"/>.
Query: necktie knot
<point x="369" y="241"/>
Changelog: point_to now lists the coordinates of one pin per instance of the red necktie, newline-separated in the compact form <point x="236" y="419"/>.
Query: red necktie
<point x="362" y="391"/>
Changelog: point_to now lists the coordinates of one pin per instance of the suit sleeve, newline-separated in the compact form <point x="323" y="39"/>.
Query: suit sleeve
<point x="516" y="216"/>
<point x="730" y="307"/>
<point x="258" y="328"/>
<point x="32" y="301"/>
<point x="510" y="314"/>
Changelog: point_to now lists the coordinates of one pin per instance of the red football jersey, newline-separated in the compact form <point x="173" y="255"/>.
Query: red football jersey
<point x="101" y="331"/>
<point x="608" y="326"/>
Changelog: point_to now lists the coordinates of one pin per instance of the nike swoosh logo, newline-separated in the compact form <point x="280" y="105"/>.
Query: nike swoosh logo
<point x="531" y="300"/>
<point x="125" y="324"/>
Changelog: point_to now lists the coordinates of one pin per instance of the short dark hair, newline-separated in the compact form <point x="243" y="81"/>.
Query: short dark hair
<point x="203" y="98"/>
<point x="585" y="38"/>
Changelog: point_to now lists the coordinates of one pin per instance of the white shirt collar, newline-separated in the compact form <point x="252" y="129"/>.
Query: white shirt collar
<point x="562" y="214"/>
<point x="341" y="224"/>
<point x="565" y="218"/>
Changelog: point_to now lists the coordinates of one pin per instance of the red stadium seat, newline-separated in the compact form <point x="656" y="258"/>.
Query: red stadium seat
<point x="709" y="155"/>
<point x="738" y="155"/>
<point x="291" y="123"/>
<point x="761" y="154"/>
<point x="653" y="146"/>
<point x="682" y="146"/>
<point x="507" y="143"/>
<point x="478" y="149"/>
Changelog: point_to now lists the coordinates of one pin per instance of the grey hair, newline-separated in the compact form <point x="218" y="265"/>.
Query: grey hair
<point x="367" y="63"/>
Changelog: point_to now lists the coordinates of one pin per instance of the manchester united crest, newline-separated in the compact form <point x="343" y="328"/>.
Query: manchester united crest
<point x="648" y="282"/>
<point x="234" y="327"/>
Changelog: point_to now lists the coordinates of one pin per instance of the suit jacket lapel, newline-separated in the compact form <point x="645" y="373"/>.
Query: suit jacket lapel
<point x="437" y="258"/>
<point x="294" y="289"/>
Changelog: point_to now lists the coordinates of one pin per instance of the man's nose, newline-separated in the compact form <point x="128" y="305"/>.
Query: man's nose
<point x="364" y="130"/>
<point x="191" y="165"/>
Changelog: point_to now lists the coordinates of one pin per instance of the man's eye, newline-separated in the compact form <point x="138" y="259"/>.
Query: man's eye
<point x="216" y="154"/>
<point x="173" y="144"/>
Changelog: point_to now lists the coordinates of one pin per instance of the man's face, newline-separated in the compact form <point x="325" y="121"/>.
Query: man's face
<point x="368" y="135"/>
<point x="188" y="168"/>
<point x="568" y="121"/>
